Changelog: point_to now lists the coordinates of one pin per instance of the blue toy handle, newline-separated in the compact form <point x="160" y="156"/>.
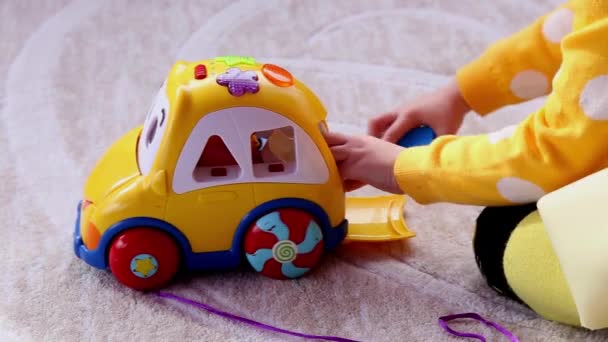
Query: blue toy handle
<point x="422" y="135"/>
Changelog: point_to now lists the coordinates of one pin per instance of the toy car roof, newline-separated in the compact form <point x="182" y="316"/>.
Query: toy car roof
<point x="232" y="81"/>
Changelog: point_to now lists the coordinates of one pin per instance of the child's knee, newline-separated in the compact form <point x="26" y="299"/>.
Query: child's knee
<point x="515" y="256"/>
<point x="534" y="273"/>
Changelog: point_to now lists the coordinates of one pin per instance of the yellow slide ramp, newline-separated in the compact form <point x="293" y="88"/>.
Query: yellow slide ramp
<point x="376" y="219"/>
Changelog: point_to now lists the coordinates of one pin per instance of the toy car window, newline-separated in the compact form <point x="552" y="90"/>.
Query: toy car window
<point x="153" y="131"/>
<point x="252" y="145"/>
<point x="216" y="161"/>
<point x="273" y="152"/>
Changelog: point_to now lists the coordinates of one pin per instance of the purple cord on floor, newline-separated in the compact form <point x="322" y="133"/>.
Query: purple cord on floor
<point x="247" y="320"/>
<point x="443" y="323"/>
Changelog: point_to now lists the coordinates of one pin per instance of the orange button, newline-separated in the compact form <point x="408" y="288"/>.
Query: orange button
<point x="277" y="75"/>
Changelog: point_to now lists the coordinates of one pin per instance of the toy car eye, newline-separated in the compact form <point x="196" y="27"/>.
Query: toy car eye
<point x="162" y="118"/>
<point x="151" y="131"/>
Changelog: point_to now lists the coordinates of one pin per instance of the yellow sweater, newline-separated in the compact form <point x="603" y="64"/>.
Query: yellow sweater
<point x="563" y="141"/>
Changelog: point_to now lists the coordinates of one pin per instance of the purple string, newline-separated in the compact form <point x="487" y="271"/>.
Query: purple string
<point x="247" y="320"/>
<point x="443" y="323"/>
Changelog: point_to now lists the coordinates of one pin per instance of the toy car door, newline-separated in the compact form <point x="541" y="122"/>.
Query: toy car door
<point x="287" y="163"/>
<point x="212" y="184"/>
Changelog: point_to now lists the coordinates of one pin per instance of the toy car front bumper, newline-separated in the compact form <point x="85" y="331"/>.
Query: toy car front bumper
<point x="94" y="258"/>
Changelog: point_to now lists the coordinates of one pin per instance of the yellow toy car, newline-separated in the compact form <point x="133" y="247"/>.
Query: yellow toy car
<point x="230" y="164"/>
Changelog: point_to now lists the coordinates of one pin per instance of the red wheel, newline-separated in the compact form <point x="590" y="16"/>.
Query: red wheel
<point x="144" y="258"/>
<point x="284" y="244"/>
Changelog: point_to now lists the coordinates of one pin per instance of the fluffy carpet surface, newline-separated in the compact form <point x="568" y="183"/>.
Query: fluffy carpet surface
<point x="77" y="75"/>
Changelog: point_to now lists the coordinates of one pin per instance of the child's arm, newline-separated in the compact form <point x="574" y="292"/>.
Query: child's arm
<point x="512" y="70"/>
<point x="517" y="68"/>
<point x="563" y="141"/>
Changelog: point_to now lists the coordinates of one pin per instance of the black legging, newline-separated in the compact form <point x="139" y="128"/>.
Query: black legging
<point x="493" y="229"/>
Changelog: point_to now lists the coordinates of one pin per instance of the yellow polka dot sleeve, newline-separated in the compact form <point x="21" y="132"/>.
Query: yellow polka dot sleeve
<point x="517" y="68"/>
<point x="563" y="141"/>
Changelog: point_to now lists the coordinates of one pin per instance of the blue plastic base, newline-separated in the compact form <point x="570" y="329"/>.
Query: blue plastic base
<point x="231" y="258"/>
<point x="420" y="136"/>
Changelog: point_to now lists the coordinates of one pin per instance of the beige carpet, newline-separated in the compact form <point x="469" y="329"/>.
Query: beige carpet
<point x="76" y="75"/>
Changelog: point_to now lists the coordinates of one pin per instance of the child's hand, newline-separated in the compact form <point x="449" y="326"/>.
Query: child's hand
<point x="442" y="110"/>
<point x="365" y="160"/>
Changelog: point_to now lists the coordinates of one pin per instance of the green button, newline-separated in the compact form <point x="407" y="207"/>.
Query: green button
<point x="235" y="60"/>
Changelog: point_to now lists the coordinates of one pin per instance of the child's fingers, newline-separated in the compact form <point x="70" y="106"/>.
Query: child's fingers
<point x="402" y="125"/>
<point x="333" y="138"/>
<point x="378" y="125"/>
<point x="351" y="185"/>
<point x="340" y="152"/>
<point x="346" y="170"/>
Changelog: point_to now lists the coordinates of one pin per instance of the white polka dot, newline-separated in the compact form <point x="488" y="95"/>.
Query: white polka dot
<point x="518" y="190"/>
<point x="529" y="84"/>
<point x="594" y="98"/>
<point x="502" y="134"/>
<point x="558" y="25"/>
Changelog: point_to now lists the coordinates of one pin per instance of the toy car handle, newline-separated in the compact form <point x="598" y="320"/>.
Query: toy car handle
<point x="419" y="136"/>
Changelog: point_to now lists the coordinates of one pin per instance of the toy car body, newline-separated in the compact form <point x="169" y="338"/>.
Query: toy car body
<point x="230" y="164"/>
